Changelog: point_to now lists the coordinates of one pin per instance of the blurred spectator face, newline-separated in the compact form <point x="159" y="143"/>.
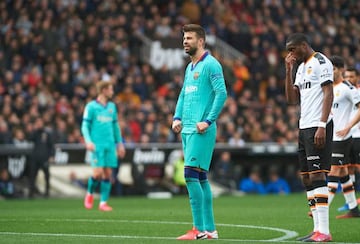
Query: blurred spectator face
<point x="19" y="134"/>
<point x="255" y="176"/>
<point x="9" y="76"/>
<point x="3" y="126"/>
<point x="352" y="77"/>
<point x="39" y="124"/>
<point x="4" y="175"/>
<point x="6" y="111"/>
<point x="225" y="156"/>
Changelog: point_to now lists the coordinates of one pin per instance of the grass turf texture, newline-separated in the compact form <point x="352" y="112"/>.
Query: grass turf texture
<point x="142" y="220"/>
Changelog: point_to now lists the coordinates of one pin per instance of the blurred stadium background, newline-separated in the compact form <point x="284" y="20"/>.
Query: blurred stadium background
<point x="53" y="51"/>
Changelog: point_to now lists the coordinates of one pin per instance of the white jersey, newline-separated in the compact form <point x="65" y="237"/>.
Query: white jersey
<point x="355" y="131"/>
<point x="345" y="98"/>
<point x="310" y="77"/>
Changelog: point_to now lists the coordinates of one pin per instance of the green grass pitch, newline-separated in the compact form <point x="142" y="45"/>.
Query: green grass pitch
<point x="245" y="219"/>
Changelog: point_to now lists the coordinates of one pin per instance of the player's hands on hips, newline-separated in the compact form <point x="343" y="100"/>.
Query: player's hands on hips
<point x="121" y="150"/>
<point x="201" y="127"/>
<point x="320" y="137"/>
<point x="176" y="126"/>
<point x="90" y="146"/>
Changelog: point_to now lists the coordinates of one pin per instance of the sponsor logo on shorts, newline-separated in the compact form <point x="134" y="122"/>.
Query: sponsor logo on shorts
<point x="337" y="155"/>
<point x="311" y="158"/>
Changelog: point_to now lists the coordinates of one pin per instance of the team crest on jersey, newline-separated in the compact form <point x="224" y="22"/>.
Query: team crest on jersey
<point x="196" y="75"/>
<point x="337" y="93"/>
<point x="309" y="70"/>
<point x="110" y="110"/>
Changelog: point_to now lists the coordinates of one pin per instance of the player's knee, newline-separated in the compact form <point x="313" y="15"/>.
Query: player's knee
<point x="317" y="177"/>
<point x="202" y="176"/>
<point x="306" y="181"/>
<point x="191" y="173"/>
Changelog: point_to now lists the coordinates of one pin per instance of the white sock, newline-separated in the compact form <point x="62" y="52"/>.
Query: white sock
<point x="310" y="197"/>
<point x="352" y="178"/>
<point x="322" y="209"/>
<point x="349" y="194"/>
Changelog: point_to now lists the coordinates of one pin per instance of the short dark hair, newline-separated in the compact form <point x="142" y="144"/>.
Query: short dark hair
<point x="337" y="61"/>
<point x="352" y="69"/>
<point x="200" y="32"/>
<point x="298" y="38"/>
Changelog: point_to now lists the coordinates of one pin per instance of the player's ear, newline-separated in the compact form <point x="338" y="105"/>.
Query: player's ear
<point x="202" y="42"/>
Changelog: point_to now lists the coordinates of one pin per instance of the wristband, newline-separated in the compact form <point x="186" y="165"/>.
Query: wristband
<point x="322" y="124"/>
<point x="208" y="122"/>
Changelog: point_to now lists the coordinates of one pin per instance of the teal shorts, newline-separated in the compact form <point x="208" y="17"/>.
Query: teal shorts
<point x="103" y="157"/>
<point x="198" y="148"/>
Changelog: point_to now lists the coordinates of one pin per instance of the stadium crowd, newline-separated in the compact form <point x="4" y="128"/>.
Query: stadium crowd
<point x="52" y="53"/>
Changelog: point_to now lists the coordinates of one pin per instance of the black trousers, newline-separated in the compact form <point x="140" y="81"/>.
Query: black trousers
<point x="35" y="166"/>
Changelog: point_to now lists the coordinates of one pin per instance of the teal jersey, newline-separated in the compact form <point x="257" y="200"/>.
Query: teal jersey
<point x="100" y="124"/>
<point x="203" y="94"/>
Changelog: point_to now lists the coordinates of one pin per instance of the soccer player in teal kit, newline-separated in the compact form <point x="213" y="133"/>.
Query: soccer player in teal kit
<point x="199" y="104"/>
<point x="103" y="139"/>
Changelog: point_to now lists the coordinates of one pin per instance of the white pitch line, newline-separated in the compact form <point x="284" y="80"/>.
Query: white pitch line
<point x="288" y="234"/>
<point x="283" y="239"/>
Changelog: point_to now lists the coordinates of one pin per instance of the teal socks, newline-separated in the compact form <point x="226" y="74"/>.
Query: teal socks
<point x="105" y="188"/>
<point x="92" y="184"/>
<point x="196" y="202"/>
<point x="201" y="200"/>
<point x="208" y="213"/>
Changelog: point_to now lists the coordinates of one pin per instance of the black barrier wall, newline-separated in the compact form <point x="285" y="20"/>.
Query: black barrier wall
<point x="15" y="158"/>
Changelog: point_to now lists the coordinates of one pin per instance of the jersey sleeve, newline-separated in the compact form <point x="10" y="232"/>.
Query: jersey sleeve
<point x="116" y="127"/>
<point x="326" y="73"/>
<point x="355" y="96"/>
<point x="86" y="123"/>
<point x="218" y="83"/>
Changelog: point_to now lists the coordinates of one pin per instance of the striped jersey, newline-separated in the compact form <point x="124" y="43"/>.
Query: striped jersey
<point x="100" y="124"/>
<point x="345" y="98"/>
<point x="203" y="94"/>
<point x="310" y="77"/>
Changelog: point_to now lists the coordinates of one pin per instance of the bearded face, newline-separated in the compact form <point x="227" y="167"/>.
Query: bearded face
<point x="190" y="43"/>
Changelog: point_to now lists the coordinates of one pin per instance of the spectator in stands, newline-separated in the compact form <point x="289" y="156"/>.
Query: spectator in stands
<point x="294" y="179"/>
<point x="253" y="184"/>
<point x="5" y="133"/>
<point x="224" y="172"/>
<point x="74" y="180"/>
<point x="19" y="138"/>
<point x="276" y="184"/>
<point x="179" y="178"/>
<point x="7" y="188"/>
